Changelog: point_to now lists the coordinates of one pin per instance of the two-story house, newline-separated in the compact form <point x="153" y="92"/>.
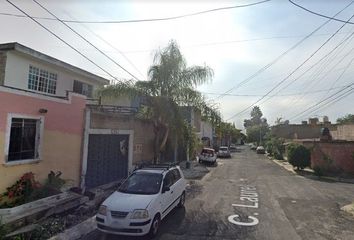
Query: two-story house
<point x="42" y="109"/>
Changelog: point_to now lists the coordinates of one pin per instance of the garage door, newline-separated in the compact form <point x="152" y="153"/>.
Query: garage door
<point x="107" y="159"/>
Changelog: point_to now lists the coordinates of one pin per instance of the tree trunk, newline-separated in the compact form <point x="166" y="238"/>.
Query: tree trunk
<point x="165" y="137"/>
<point x="175" y="150"/>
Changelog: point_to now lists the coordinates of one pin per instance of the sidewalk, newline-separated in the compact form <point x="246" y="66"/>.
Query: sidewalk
<point x="309" y="173"/>
<point x="195" y="172"/>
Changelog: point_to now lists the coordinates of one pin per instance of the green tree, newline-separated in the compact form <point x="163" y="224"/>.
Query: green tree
<point x="256" y="127"/>
<point x="349" y="118"/>
<point x="171" y="84"/>
<point x="299" y="156"/>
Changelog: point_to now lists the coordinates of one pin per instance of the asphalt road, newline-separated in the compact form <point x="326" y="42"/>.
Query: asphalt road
<point x="271" y="203"/>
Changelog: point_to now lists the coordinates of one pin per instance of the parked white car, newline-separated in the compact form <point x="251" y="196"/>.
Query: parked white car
<point x="224" y="152"/>
<point x="207" y="155"/>
<point x="142" y="201"/>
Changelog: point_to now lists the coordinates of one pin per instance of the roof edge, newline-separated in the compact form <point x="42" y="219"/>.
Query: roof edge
<point x="15" y="46"/>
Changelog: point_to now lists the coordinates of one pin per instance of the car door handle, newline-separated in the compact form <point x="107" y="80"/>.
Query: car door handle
<point x="171" y="192"/>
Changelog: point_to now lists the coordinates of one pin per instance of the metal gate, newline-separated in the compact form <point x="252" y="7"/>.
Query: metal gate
<point x="107" y="159"/>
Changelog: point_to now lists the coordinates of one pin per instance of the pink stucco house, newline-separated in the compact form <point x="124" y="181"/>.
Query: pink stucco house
<point x="42" y="110"/>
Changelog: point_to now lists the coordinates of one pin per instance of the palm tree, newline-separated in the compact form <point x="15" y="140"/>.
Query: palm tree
<point x="172" y="84"/>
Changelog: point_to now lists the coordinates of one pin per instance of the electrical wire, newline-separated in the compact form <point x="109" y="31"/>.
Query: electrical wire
<point x="280" y="56"/>
<point x="292" y="72"/>
<point x="145" y="20"/>
<point x="112" y="46"/>
<point x="318" y="14"/>
<point x="282" y="95"/>
<point x="87" y="41"/>
<point x="58" y="37"/>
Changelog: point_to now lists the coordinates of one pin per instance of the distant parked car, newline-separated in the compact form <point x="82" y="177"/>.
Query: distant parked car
<point x="142" y="201"/>
<point x="260" y="150"/>
<point x="253" y="147"/>
<point x="224" y="152"/>
<point x="233" y="148"/>
<point x="207" y="155"/>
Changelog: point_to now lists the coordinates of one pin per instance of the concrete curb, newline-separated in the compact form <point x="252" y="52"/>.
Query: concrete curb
<point x="349" y="209"/>
<point x="291" y="169"/>
<point x="77" y="231"/>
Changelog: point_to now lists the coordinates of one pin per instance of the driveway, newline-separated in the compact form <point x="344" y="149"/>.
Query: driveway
<point x="250" y="197"/>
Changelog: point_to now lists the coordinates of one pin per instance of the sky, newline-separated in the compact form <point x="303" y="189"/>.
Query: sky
<point x="236" y="43"/>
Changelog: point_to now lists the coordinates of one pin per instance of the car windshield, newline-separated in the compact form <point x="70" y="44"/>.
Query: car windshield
<point x="223" y="148"/>
<point x="142" y="183"/>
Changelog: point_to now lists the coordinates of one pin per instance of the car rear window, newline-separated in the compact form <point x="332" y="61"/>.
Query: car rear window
<point x="223" y="148"/>
<point x="207" y="151"/>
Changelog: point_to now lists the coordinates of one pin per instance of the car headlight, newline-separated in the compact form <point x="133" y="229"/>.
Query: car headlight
<point x="140" y="214"/>
<point x="102" y="210"/>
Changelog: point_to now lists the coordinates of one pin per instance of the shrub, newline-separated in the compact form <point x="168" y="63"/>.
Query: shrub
<point x="20" y="192"/>
<point x="318" y="171"/>
<point x="3" y="230"/>
<point x="299" y="156"/>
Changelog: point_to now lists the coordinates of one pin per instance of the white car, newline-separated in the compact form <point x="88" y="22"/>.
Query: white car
<point x="207" y="155"/>
<point x="224" y="152"/>
<point x="142" y="201"/>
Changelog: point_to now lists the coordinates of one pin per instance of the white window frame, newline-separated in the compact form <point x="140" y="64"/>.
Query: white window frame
<point x="39" y="138"/>
<point x="43" y="73"/>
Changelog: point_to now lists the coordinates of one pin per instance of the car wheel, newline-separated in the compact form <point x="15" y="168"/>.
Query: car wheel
<point x="182" y="200"/>
<point x="154" y="226"/>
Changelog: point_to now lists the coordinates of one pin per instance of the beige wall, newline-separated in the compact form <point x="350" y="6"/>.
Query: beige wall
<point x="60" y="152"/>
<point x="17" y="68"/>
<point x="143" y="132"/>
<point x="2" y="67"/>
<point x="344" y="132"/>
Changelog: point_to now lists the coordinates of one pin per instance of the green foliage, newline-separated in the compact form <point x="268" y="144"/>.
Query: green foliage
<point x="20" y="192"/>
<point x="3" y="230"/>
<point x="172" y="84"/>
<point x="275" y="147"/>
<point x="349" y="118"/>
<point x="27" y="189"/>
<point x="318" y="171"/>
<point x="225" y="130"/>
<point x="299" y="156"/>
<point x="257" y="133"/>
<point x="49" y="229"/>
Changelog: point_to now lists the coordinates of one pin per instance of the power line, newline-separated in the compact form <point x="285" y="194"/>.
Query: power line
<point x="66" y="43"/>
<point x="282" y="95"/>
<point x="112" y="46"/>
<point x="319" y="14"/>
<point x="296" y="69"/>
<point x="145" y="20"/>
<point x="280" y="56"/>
<point x="87" y="41"/>
<point x="335" y="95"/>
<point x="311" y="67"/>
<point x="323" y="100"/>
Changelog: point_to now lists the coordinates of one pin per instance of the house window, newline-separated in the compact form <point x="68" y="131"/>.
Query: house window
<point x="82" y="88"/>
<point x="42" y="80"/>
<point x="24" y="139"/>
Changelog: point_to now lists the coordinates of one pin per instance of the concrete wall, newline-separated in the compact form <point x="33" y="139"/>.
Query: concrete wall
<point x="2" y="67"/>
<point x="143" y="132"/>
<point x="17" y="68"/>
<point x="300" y="131"/>
<point x="60" y="145"/>
<point x="206" y="131"/>
<point x="335" y="157"/>
<point x="344" y="132"/>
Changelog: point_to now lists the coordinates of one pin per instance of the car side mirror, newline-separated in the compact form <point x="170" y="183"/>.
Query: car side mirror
<point x="165" y="189"/>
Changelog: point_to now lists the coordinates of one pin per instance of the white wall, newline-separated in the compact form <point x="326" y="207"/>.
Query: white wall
<point x="206" y="130"/>
<point x="344" y="132"/>
<point x="17" y="67"/>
